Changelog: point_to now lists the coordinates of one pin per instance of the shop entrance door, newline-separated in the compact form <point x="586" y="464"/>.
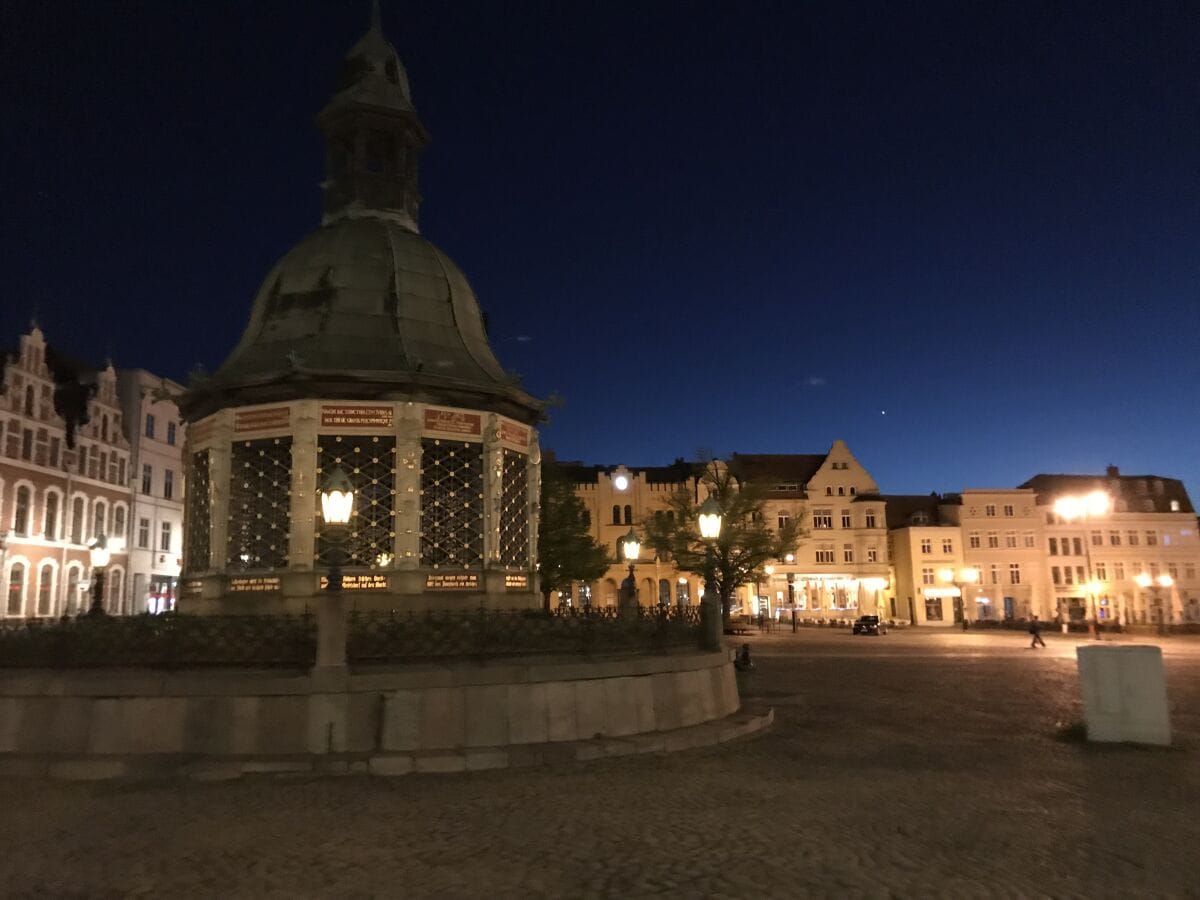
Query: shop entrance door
<point x="958" y="610"/>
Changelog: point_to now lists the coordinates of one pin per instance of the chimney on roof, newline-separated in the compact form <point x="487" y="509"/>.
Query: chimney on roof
<point x="1113" y="472"/>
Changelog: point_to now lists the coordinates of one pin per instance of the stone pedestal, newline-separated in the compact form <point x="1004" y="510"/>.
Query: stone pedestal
<point x="1124" y="694"/>
<point x="331" y="630"/>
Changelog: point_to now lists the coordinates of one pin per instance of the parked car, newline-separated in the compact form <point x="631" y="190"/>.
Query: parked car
<point x="868" y="625"/>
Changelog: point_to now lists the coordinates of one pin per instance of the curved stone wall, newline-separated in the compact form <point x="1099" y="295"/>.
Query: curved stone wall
<point x="391" y="719"/>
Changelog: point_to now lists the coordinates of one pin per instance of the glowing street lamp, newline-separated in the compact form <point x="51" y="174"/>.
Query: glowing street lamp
<point x="337" y="505"/>
<point x="710" y="520"/>
<point x="99" y="556"/>
<point x="631" y="548"/>
<point x="1080" y="507"/>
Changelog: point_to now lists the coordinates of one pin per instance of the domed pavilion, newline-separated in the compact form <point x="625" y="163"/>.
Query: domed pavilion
<point x="365" y="352"/>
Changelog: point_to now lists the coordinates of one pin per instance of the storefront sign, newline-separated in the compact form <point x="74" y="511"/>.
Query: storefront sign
<point x="262" y="419"/>
<point x="356" y="417"/>
<point x="359" y="582"/>
<point x="259" y="585"/>
<point x="451" y="421"/>
<point x="461" y="581"/>
<point x="516" y="582"/>
<point x="514" y="434"/>
<point x="192" y="587"/>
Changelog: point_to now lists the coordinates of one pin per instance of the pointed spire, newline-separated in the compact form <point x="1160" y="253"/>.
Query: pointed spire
<point x="376" y="17"/>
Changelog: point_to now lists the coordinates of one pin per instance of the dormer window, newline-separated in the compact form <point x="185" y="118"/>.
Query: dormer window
<point x="920" y="517"/>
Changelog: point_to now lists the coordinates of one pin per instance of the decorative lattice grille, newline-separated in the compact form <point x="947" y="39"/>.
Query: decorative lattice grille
<point x="370" y="464"/>
<point x="514" y="516"/>
<point x="260" y="485"/>
<point x="451" y="503"/>
<point x="198" y="536"/>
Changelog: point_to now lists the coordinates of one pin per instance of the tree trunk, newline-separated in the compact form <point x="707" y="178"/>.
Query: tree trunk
<point x="546" y="602"/>
<point x="726" y="602"/>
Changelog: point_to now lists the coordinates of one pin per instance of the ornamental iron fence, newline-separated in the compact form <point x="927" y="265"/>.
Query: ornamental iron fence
<point x="399" y="637"/>
<point x="169" y="641"/>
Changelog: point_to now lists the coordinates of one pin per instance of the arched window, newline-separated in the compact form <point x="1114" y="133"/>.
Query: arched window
<point x="119" y="522"/>
<point x="77" y="521"/>
<point x="828" y="491"/>
<point x="21" y="510"/>
<point x="29" y="400"/>
<point x="50" y="522"/>
<point x="628" y="514"/>
<point x="45" y="590"/>
<point x="664" y="592"/>
<point x="841" y="491"/>
<point x="616" y="515"/>
<point x="71" y="601"/>
<point x="98" y="518"/>
<point x="16" y="589"/>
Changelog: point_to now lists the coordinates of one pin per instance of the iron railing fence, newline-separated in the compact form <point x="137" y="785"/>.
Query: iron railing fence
<point x="169" y="641"/>
<point x="180" y="641"/>
<point x="396" y="637"/>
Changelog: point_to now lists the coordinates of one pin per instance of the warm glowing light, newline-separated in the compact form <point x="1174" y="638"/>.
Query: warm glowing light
<point x="790" y="558"/>
<point x="383" y="560"/>
<point x="99" y="552"/>
<point x="968" y="575"/>
<point x="874" y="584"/>
<point x="682" y="580"/>
<point x="631" y="546"/>
<point x="337" y="498"/>
<point x="945" y="574"/>
<point x="621" y="482"/>
<point x="1165" y="580"/>
<point x="710" y="519"/>
<point x="1069" y="508"/>
<point x="769" y="569"/>
<point x="1143" y="580"/>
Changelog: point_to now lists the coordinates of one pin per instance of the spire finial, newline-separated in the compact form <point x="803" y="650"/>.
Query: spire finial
<point x="376" y="16"/>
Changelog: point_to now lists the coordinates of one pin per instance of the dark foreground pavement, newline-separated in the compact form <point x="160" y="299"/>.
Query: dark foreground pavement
<point x="911" y="765"/>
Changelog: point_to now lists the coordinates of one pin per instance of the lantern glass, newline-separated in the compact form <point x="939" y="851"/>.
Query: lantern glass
<point x="631" y="546"/>
<point x="337" y="499"/>
<point x="710" y="519"/>
<point x="99" y="552"/>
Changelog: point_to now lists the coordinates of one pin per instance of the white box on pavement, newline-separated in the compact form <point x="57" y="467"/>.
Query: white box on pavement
<point x="1124" y="694"/>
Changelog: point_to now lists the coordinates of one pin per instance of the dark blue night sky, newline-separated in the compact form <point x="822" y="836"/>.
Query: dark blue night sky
<point x="740" y="226"/>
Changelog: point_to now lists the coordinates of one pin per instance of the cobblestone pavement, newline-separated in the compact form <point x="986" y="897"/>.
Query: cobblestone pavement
<point x="910" y="765"/>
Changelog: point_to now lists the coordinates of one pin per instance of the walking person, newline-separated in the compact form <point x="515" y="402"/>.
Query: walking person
<point x="1035" y="628"/>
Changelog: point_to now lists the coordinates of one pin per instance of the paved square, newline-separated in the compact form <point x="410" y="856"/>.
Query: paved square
<point x="908" y="765"/>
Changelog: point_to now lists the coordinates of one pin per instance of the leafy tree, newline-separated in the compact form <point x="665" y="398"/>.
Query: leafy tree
<point x="566" y="549"/>
<point x="746" y="543"/>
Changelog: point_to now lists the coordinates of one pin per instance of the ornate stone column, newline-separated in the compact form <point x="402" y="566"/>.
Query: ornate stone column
<point x="218" y="480"/>
<point x="493" y="491"/>
<point x="407" y="548"/>
<point x="534" y="464"/>
<point x="302" y="529"/>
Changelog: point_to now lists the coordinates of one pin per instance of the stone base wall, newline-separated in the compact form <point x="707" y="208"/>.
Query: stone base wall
<point x="336" y="713"/>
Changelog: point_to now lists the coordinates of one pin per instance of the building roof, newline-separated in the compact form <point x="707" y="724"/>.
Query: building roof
<point x="579" y="473"/>
<point x="771" y="469"/>
<point x="907" y="510"/>
<point x="1137" y="493"/>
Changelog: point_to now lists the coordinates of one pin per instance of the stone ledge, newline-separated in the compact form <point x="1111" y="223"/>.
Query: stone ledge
<point x="733" y="727"/>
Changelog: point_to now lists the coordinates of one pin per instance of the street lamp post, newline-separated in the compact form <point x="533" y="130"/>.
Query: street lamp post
<point x="1144" y="580"/>
<point x="98" y="553"/>
<point x="1080" y="508"/>
<point x="337" y="505"/>
<point x="631" y="548"/>
<point x="710" y="608"/>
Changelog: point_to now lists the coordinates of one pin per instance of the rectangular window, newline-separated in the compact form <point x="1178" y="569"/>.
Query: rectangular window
<point x="927" y="575"/>
<point x="171" y="433"/>
<point x="168" y="484"/>
<point x="947" y="545"/>
<point x="871" y="519"/>
<point x="1114" y="538"/>
<point x="147" y="478"/>
<point x="1132" y="537"/>
<point x="1056" y="574"/>
<point x="873" y="555"/>
<point x="993" y="539"/>
<point x="926" y="546"/>
<point x="149" y="426"/>
<point x="1079" y="576"/>
<point x="1189" y="571"/>
<point x="1151" y="538"/>
<point x="825" y="556"/>
<point x="1097" y="538"/>
<point x="1030" y="540"/>
<point x="54" y="450"/>
<point x="121" y="471"/>
<point x="995" y="573"/>
<point x="848" y="553"/>
<point x="1101" y="572"/>
<point x="1173" y="570"/>
<point x="822" y="518"/>
<point x="989" y="510"/>
<point x="1014" y="573"/>
<point x="1068" y="575"/>
<point x="973" y="540"/>
<point x="1078" y="542"/>
<point x="1118" y="571"/>
<point x="1009" y="511"/>
<point x="1010" y="539"/>
<point x="1154" y="570"/>
<point x="846" y="518"/>
<point x="164" y="542"/>
<point x="144" y="534"/>
<point x="933" y="609"/>
<point x="783" y="519"/>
